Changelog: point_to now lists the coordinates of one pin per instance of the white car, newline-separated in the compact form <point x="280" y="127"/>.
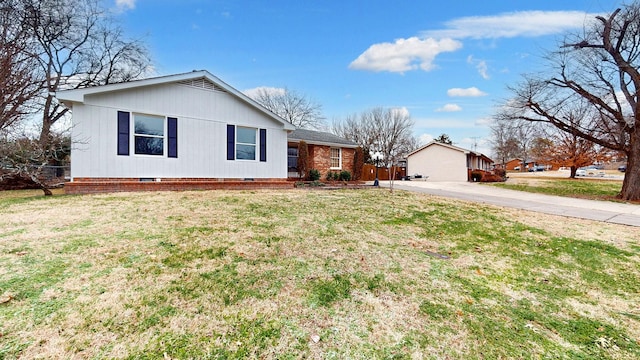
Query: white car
<point x="590" y="171"/>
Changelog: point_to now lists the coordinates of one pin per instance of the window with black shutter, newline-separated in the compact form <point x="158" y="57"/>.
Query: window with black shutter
<point x="263" y="145"/>
<point x="123" y="133"/>
<point x="172" y="137"/>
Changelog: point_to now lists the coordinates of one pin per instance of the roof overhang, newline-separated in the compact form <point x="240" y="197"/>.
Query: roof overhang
<point x="322" y="143"/>
<point x="436" y="143"/>
<point x="452" y="147"/>
<point x="69" y="97"/>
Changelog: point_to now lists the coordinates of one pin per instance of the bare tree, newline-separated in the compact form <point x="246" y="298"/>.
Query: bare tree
<point x="517" y="136"/>
<point x="24" y="158"/>
<point x="295" y="108"/>
<point x="599" y="68"/>
<point x="386" y="130"/>
<point x="356" y="128"/>
<point x="19" y="84"/>
<point x="51" y="45"/>
<point x="566" y="148"/>
<point x="506" y="145"/>
<point x="77" y="44"/>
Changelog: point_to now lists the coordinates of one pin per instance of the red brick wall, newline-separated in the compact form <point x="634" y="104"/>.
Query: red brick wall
<point x="348" y="156"/>
<point x="104" y="185"/>
<point x="513" y="163"/>
<point x="321" y="159"/>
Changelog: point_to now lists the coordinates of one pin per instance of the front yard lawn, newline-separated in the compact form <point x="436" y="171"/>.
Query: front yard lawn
<point x="310" y="274"/>
<point x="577" y="188"/>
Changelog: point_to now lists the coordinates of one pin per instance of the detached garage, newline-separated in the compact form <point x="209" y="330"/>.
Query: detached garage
<point x="443" y="162"/>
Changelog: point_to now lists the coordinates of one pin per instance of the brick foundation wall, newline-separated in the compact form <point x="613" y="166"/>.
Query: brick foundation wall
<point x="105" y="185"/>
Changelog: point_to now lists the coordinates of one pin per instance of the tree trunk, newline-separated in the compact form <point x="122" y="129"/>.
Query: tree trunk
<point x="573" y="171"/>
<point x="631" y="183"/>
<point x="45" y="131"/>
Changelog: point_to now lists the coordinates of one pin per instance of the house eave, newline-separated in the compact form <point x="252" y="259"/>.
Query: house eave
<point x="69" y="97"/>
<point x="452" y="147"/>
<point x="431" y="143"/>
<point x="322" y="143"/>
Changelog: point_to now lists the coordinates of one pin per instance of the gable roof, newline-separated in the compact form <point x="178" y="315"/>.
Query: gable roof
<point x="452" y="147"/>
<point x="199" y="78"/>
<point x="320" y="138"/>
<point x="432" y="143"/>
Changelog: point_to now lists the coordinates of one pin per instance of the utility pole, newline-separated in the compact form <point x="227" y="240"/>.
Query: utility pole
<point x="475" y="142"/>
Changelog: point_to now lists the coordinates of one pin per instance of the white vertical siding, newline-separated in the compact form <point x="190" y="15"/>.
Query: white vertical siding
<point x="440" y="163"/>
<point x="202" y="115"/>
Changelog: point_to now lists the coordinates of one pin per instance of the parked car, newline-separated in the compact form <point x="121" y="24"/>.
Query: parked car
<point x="536" y="168"/>
<point x="622" y="168"/>
<point x="590" y="171"/>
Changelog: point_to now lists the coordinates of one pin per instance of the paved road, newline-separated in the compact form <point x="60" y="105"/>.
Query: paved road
<point x="607" y="211"/>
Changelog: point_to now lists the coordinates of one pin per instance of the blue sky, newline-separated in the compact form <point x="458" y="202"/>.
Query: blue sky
<point x="446" y="62"/>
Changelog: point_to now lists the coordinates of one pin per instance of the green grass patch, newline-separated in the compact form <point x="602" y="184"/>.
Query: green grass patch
<point x="326" y="292"/>
<point x="577" y="188"/>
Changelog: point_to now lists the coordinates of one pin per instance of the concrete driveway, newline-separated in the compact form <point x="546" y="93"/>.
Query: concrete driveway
<point x="607" y="211"/>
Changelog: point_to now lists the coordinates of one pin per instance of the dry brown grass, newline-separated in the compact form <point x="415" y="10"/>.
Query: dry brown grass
<point x="267" y="273"/>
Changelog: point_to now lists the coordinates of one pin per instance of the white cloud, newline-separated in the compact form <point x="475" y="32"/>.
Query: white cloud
<point x="124" y="5"/>
<point x="419" y="52"/>
<point x="403" y="55"/>
<point x="255" y="92"/>
<point x="482" y="69"/>
<point x="485" y="122"/>
<point x="480" y="65"/>
<point x="425" y="139"/>
<point x="468" y="92"/>
<point x="513" y="24"/>
<point x="401" y="111"/>
<point x="449" y="108"/>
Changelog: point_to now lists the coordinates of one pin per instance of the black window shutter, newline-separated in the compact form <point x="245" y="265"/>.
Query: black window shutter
<point x="123" y="133"/>
<point x="231" y="142"/>
<point x="172" y="138"/>
<point x="263" y="145"/>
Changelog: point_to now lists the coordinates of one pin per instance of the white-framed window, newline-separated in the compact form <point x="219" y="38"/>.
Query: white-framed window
<point x="148" y="134"/>
<point x="336" y="158"/>
<point x="246" y="143"/>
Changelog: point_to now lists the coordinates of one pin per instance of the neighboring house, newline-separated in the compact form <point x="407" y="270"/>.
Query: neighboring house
<point x="327" y="152"/>
<point x="512" y="164"/>
<point x="184" y="131"/>
<point x="516" y="164"/>
<point x="443" y="162"/>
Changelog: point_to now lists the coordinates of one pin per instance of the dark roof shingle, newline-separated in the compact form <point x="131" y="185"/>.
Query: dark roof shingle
<point x="319" y="137"/>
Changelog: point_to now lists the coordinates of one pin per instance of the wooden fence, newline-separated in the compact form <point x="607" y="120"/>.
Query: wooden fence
<point x="369" y="173"/>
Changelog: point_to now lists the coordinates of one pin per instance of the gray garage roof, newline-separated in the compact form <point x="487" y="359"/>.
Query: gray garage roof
<point x="320" y="138"/>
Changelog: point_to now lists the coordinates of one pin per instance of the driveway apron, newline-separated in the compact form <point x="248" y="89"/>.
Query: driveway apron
<point x="606" y="211"/>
